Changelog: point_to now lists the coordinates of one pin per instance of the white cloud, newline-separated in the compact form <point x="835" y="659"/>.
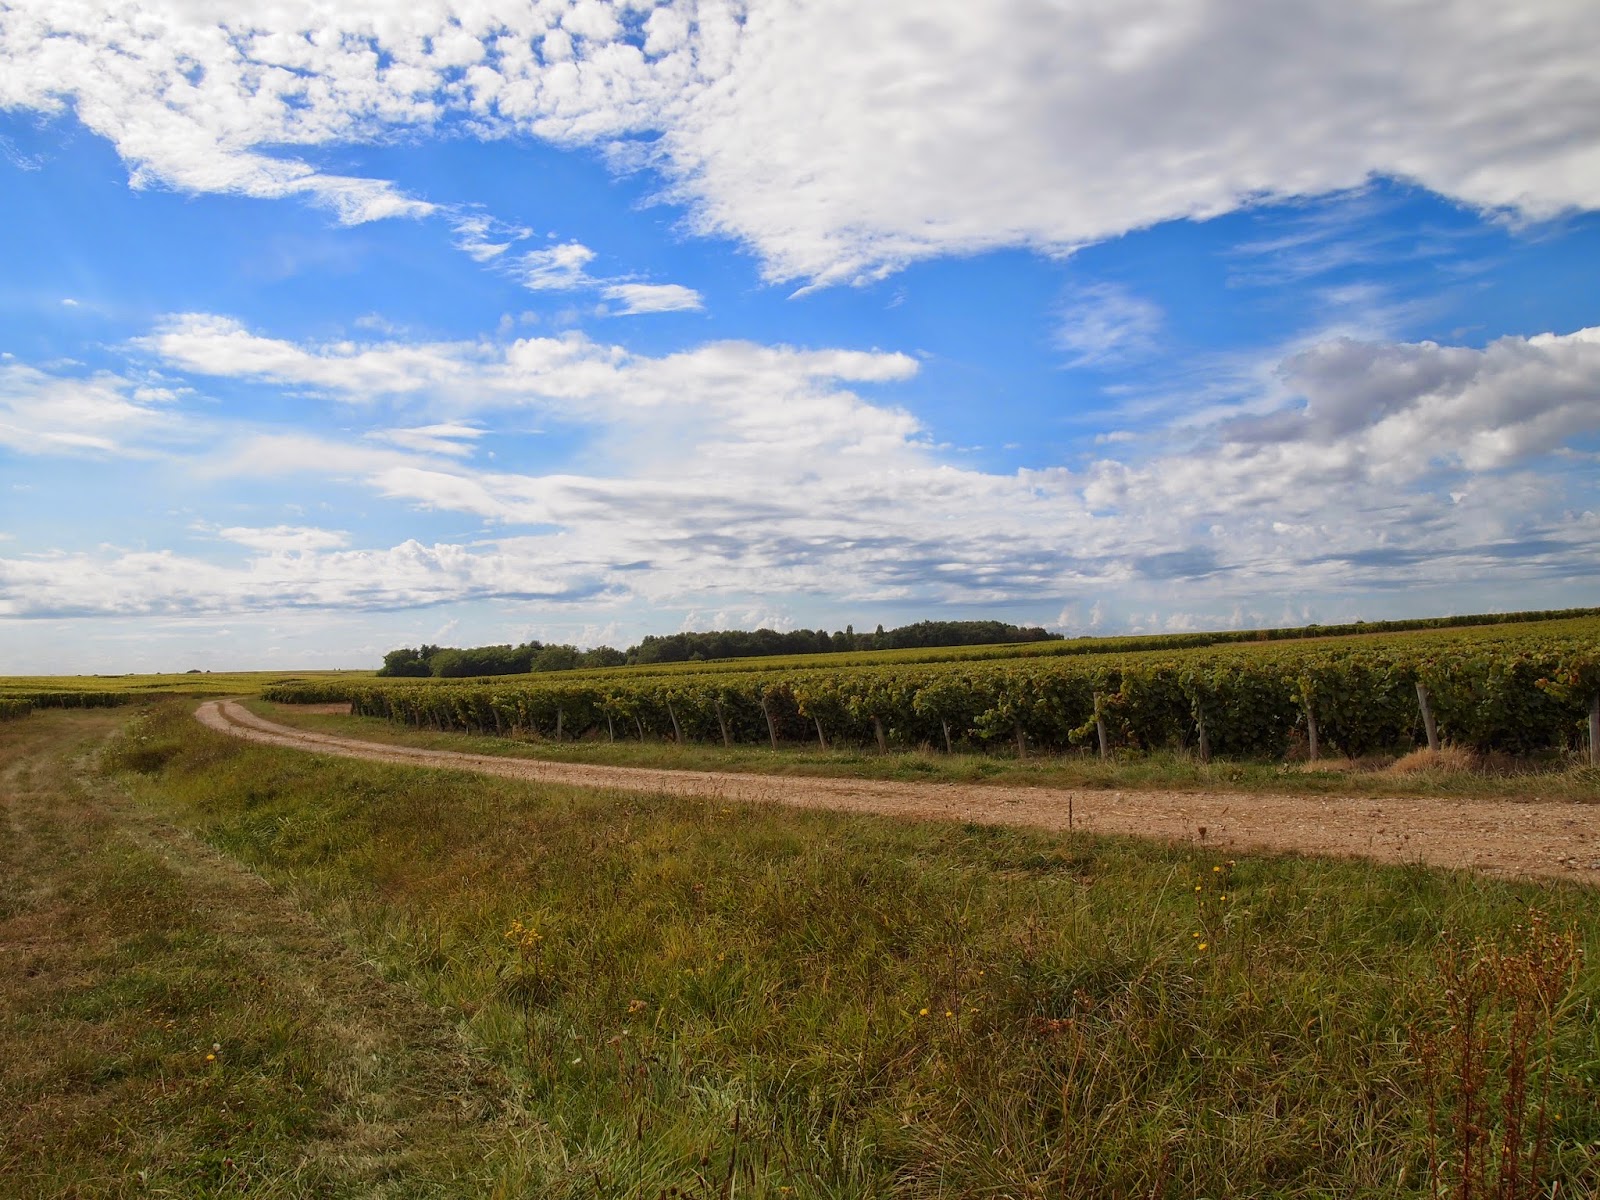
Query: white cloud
<point x="221" y="346"/>
<point x="1401" y="408"/>
<point x="285" y="539"/>
<point x="281" y="576"/>
<point x="735" y="477"/>
<point x="101" y="414"/>
<point x="1105" y="323"/>
<point x="484" y="239"/>
<point x="842" y="140"/>
<point x="779" y="391"/>
<point x="559" y="268"/>
<point x="654" y="297"/>
<point x="448" y="438"/>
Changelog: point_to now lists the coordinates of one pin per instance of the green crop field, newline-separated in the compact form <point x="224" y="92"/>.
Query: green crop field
<point x="110" y="691"/>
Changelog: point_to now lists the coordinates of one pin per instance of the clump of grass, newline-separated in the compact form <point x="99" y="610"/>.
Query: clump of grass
<point x="1443" y="761"/>
<point x="769" y="1002"/>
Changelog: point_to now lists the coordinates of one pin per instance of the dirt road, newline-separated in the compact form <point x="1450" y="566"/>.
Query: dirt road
<point x="1498" y="836"/>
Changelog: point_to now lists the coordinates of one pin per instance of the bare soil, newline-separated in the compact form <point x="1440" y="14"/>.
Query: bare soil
<point x="1501" y="837"/>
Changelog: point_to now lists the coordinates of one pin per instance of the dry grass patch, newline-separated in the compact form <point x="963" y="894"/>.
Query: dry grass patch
<point x="1445" y="760"/>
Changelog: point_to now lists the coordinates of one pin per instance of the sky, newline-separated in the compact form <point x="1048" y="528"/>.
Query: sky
<point x="330" y="328"/>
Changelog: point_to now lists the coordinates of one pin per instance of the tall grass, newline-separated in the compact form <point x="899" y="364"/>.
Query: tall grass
<point x="699" y="999"/>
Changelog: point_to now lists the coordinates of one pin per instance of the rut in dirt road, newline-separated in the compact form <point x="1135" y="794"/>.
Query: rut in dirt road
<point x="1499" y="836"/>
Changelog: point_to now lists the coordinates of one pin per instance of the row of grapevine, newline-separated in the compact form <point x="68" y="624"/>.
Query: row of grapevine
<point x="11" y="709"/>
<point x="1516" y="693"/>
<point x="52" y="699"/>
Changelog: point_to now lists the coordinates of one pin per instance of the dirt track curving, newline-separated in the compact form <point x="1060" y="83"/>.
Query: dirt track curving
<point x="1502" y="837"/>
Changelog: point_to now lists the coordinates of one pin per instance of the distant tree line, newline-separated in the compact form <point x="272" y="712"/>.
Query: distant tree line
<point x="448" y="662"/>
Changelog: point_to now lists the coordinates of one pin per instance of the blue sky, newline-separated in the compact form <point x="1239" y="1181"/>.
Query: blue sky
<point x="327" y="331"/>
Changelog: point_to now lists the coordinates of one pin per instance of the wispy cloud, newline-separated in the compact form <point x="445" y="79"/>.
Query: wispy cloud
<point x="99" y="414"/>
<point x="484" y="239"/>
<point x="450" y="438"/>
<point x="559" y="268"/>
<point x="1105" y="323"/>
<point x="654" y="297"/>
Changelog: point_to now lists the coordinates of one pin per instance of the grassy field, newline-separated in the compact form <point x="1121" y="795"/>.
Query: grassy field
<point x="191" y="683"/>
<point x="457" y="986"/>
<point x="1551" y="777"/>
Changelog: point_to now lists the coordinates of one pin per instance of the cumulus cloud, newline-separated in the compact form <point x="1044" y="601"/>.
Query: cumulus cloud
<point x="780" y="394"/>
<point x="733" y="474"/>
<point x="1399" y="408"/>
<point x="842" y="140"/>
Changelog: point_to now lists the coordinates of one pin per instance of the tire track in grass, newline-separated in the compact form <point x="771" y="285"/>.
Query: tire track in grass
<point x="125" y="942"/>
<point x="1497" y="836"/>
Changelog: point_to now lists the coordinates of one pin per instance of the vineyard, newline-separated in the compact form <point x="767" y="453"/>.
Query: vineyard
<point x="1517" y="688"/>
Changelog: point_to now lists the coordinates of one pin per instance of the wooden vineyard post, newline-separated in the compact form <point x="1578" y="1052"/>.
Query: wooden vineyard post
<point x="1594" y="731"/>
<point x="1429" y="725"/>
<point x="611" y="729"/>
<point x="1100" y="729"/>
<point x="772" y="730"/>
<point x="561" y="717"/>
<point x="877" y="728"/>
<point x="945" y="725"/>
<point x="638" y="724"/>
<point x="1022" y="743"/>
<point x="821" y="741"/>
<point x="723" y="721"/>
<point x="1205" y="742"/>
<point x="1311" y="732"/>
<point x="677" y="730"/>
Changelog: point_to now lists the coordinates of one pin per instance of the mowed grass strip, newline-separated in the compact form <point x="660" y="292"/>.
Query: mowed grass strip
<point x="697" y="999"/>
<point x="169" y="1027"/>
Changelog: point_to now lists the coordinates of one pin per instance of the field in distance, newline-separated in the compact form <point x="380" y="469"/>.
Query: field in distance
<point x="187" y="683"/>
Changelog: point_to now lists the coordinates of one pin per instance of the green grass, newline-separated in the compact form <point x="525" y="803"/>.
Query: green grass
<point x="1555" y="777"/>
<point x="762" y="1002"/>
<point x="168" y="1029"/>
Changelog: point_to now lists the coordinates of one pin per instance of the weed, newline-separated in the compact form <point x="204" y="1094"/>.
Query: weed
<point x="1489" y="1058"/>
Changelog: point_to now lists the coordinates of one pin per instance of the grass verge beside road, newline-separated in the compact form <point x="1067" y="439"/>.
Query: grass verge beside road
<point x="171" y="1027"/>
<point x="1553" y="778"/>
<point x="764" y="1002"/>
